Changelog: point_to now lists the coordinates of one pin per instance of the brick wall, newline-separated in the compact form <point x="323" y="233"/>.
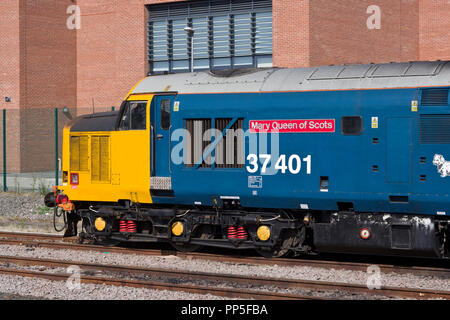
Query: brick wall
<point x="291" y="33"/>
<point x="10" y="80"/>
<point x="339" y="32"/>
<point x="111" y="51"/>
<point x="38" y="63"/>
<point x="434" y="28"/>
<point x="48" y="79"/>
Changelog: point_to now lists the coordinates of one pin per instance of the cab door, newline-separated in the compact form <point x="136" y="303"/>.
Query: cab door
<point x="161" y="127"/>
<point x="399" y="151"/>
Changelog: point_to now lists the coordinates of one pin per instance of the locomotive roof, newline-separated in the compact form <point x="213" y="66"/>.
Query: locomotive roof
<point x="102" y="121"/>
<point x="362" y="76"/>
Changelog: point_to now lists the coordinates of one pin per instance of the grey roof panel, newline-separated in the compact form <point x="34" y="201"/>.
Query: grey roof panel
<point x="424" y="68"/>
<point x="390" y="70"/>
<point x="355" y="71"/>
<point x="331" y="72"/>
<point x="390" y="75"/>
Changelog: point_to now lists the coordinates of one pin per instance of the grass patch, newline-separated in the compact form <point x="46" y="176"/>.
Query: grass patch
<point x="42" y="210"/>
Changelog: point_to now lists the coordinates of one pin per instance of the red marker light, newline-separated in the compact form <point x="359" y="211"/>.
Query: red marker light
<point x="61" y="199"/>
<point x="364" y="233"/>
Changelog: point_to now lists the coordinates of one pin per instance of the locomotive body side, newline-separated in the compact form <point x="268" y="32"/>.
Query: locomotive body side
<point x="383" y="168"/>
<point x="338" y="159"/>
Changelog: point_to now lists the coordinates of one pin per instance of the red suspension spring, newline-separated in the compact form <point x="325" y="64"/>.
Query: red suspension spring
<point x="232" y="232"/>
<point x="241" y="233"/>
<point x="131" y="226"/>
<point x="123" y="226"/>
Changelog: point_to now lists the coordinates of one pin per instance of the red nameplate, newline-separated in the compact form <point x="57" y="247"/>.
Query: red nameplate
<point x="292" y="126"/>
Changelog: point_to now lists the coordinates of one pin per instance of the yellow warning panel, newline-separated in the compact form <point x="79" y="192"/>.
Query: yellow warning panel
<point x="374" y="122"/>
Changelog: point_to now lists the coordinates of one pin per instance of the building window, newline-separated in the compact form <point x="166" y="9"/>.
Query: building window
<point x="228" y="34"/>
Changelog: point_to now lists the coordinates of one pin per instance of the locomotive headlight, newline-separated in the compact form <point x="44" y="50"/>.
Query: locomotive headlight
<point x="263" y="233"/>
<point x="177" y="228"/>
<point x="100" y="224"/>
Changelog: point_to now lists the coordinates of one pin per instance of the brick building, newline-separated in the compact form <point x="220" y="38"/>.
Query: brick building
<point x="46" y="62"/>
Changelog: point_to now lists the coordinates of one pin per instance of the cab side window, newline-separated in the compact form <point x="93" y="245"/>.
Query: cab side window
<point x="138" y="113"/>
<point x="134" y="116"/>
<point x="165" y="114"/>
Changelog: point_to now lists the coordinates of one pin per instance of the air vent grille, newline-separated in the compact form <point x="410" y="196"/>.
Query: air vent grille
<point x="435" y="97"/>
<point x="79" y="153"/>
<point x="100" y="159"/>
<point x="435" y="128"/>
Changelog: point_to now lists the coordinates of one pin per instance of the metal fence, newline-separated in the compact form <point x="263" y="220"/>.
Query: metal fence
<point x="31" y="146"/>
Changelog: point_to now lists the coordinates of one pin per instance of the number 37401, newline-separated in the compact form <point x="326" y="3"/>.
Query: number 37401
<point x="292" y="165"/>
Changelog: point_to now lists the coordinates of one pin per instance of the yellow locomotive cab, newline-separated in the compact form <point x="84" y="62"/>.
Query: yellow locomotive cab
<point x="108" y="166"/>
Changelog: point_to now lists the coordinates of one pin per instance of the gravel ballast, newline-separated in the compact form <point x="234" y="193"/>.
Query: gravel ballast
<point x="58" y="290"/>
<point x="173" y="262"/>
<point x="25" y="212"/>
<point x="28" y="206"/>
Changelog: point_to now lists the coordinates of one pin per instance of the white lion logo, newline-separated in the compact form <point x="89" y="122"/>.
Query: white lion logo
<point x="443" y="167"/>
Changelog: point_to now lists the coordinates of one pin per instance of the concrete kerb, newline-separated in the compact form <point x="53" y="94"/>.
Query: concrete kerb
<point x="41" y="182"/>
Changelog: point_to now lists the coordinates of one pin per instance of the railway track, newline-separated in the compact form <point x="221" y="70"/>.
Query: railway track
<point x="172" y="280"/>
<point x="224" y="292"/>
<point x="55" y="242"/>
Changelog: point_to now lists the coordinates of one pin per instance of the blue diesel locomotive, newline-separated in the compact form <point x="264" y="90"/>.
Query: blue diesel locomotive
<point x="352" y="158"/>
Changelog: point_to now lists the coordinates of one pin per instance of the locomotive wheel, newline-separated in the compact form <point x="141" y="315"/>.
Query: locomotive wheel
<point x="282" y="248"/>
<point x="186" y="247"/>
<point x="102" y="241"/>
<point x="105" y="242"/>
<point x="202" y="232"/>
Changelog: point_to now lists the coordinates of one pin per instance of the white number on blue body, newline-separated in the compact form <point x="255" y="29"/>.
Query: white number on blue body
<point x="293" y="165"/>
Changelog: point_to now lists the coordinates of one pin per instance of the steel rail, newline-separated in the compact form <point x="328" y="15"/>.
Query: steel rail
<point x="223" y="292"/>
<point x="415" y="293"/>
<point x="56" y="243"/>
<point x="83" y="247"/>
<point x="30" y="236"/>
